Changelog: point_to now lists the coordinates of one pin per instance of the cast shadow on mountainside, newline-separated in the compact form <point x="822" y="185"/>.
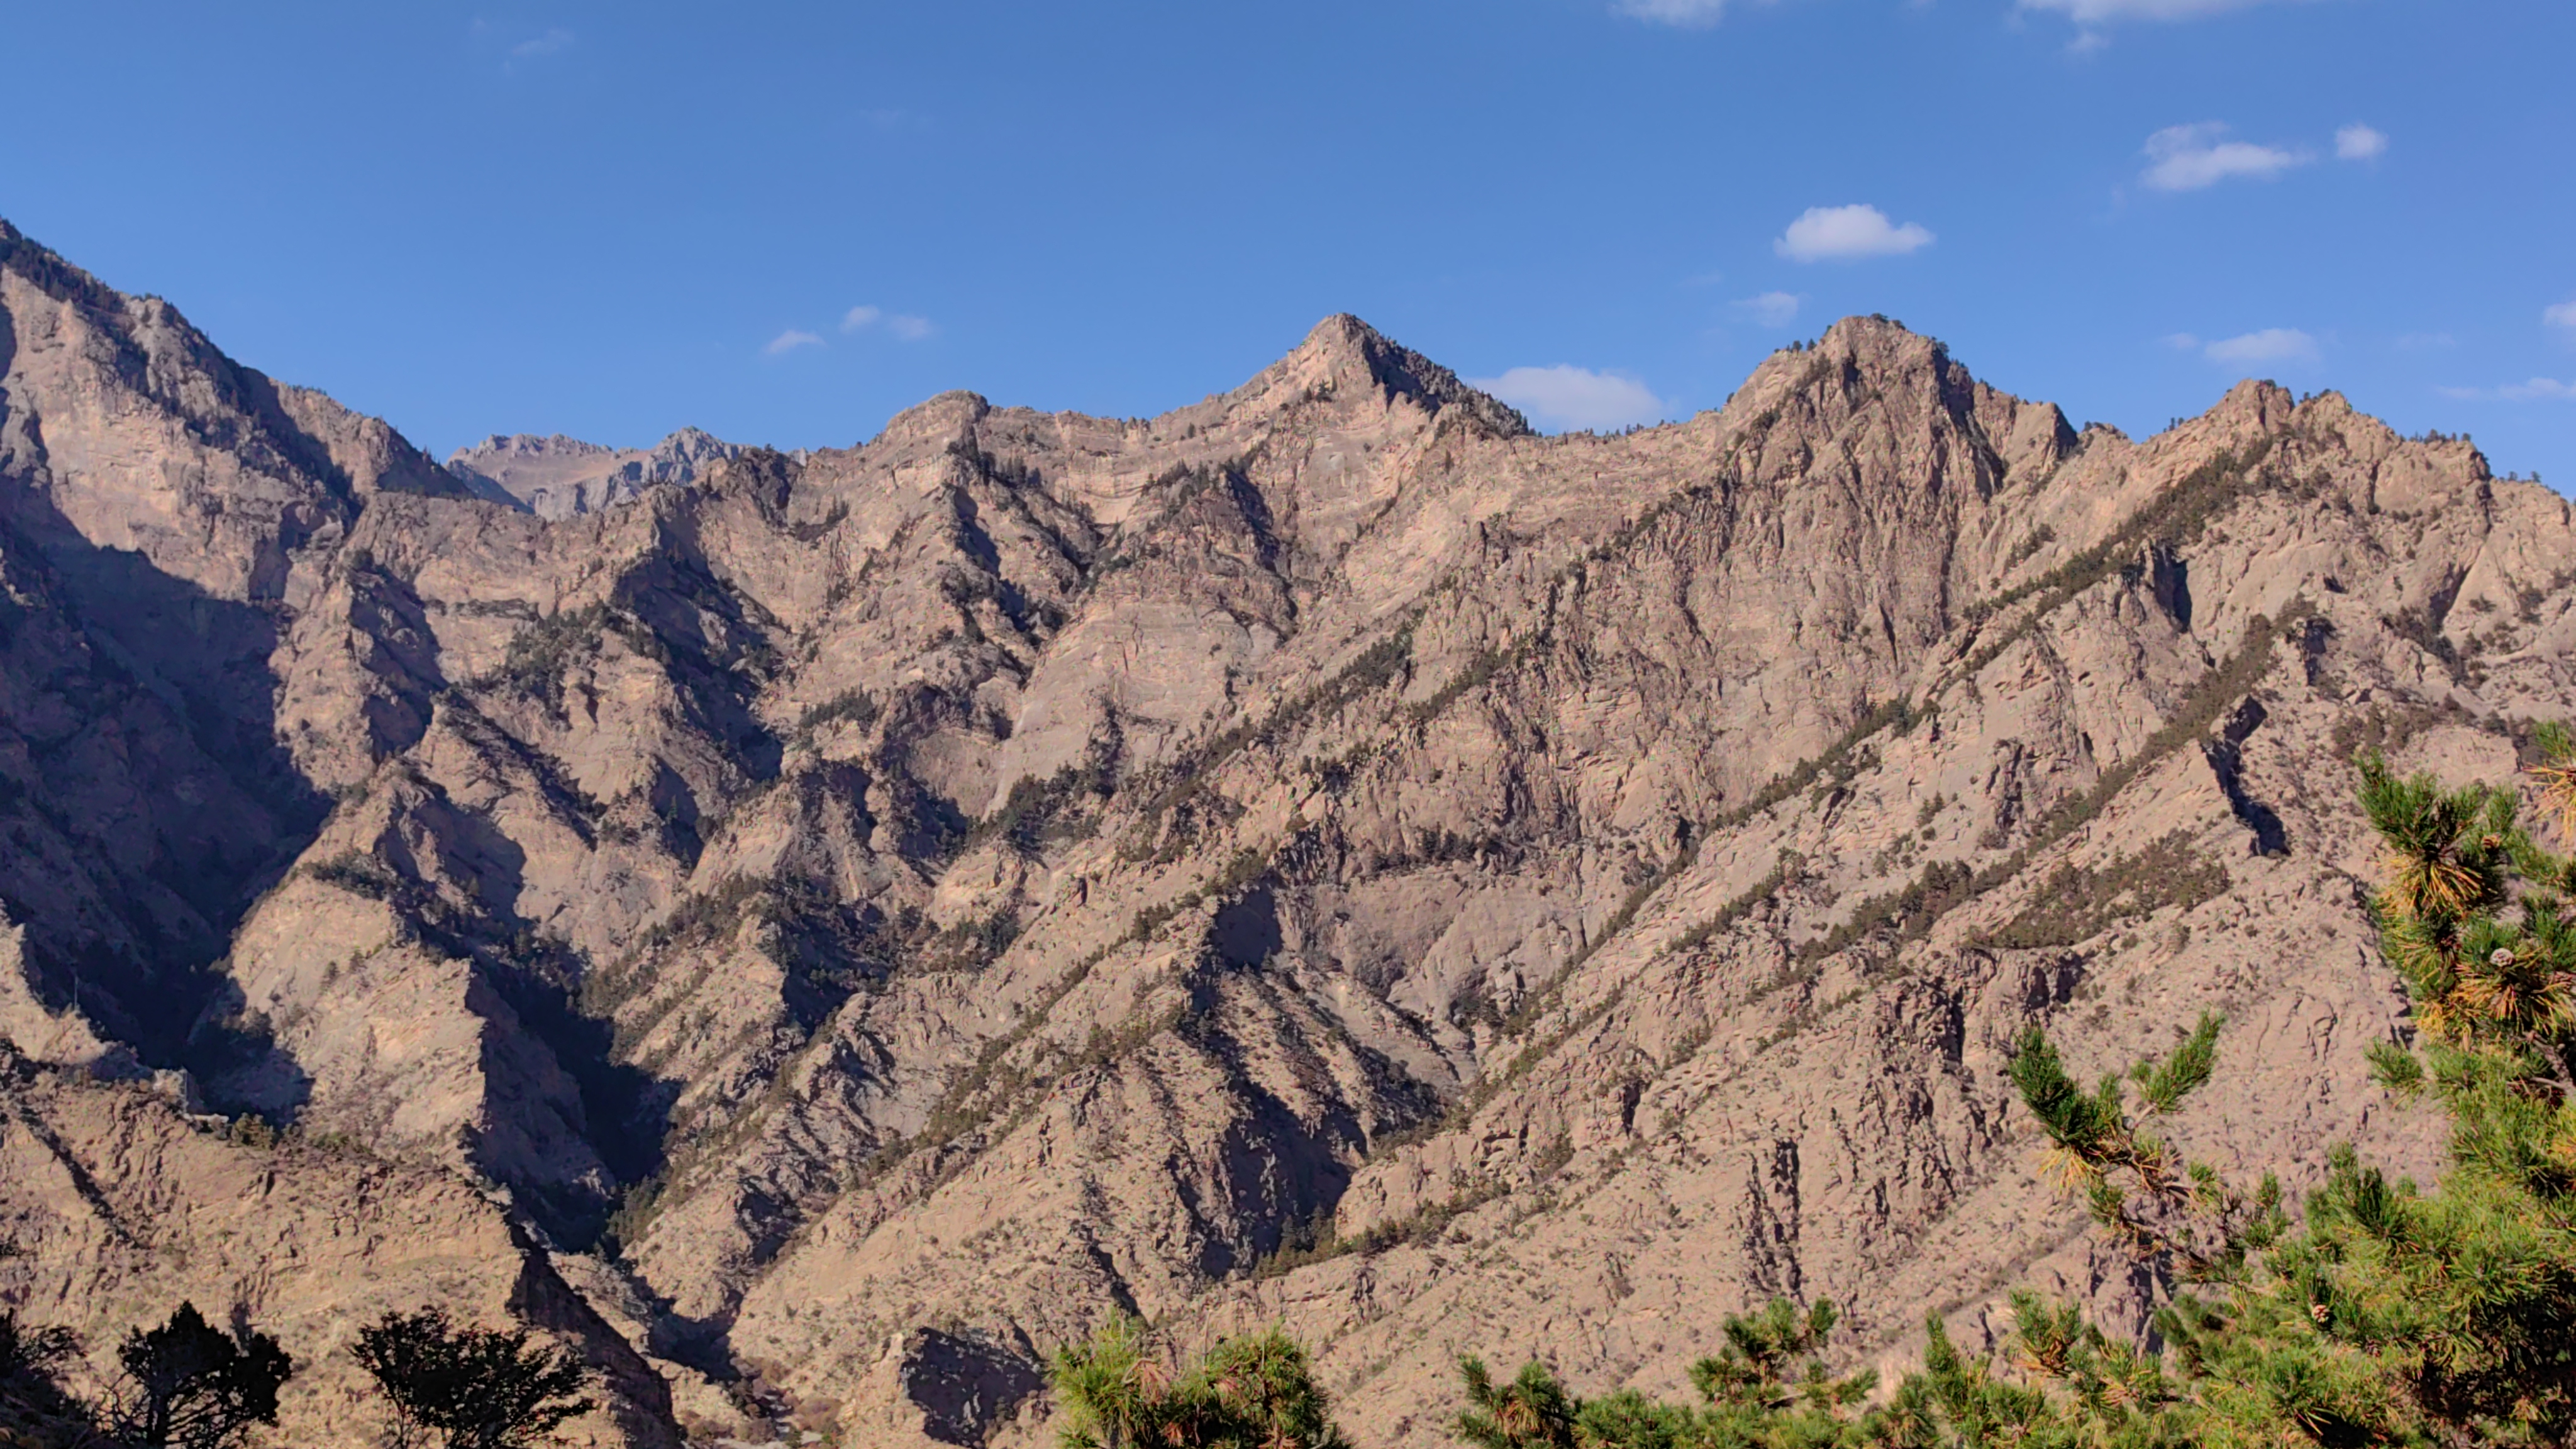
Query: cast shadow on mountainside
<point x="139" y="949"/>
<point x="624" y="1111"/>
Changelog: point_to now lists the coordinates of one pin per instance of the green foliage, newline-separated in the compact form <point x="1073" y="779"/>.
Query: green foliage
<point x="541" y="651"/>
<point x="469" y="1388"/>
<point x="190" y="1385"/>
<point x="1532" y="1411"/>
<point x="1253" y="1392"/>
<point x="1766" y="1388"/>
<point x="2075" y="904"/>
<point x="1314" y="1240"/>
<point x="852" y="706"/>
<point x="1058" y="807"/>
<point x="2391" y="1315"/>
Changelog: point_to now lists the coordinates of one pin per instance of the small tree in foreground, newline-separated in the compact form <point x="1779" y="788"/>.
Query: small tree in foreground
<point x="190" y="1385"/>
<point x="34" y="1409"/>
<point x="1766" y="1387"/>
<point x="469" y="1388"/>
<point x="1255" y="1392"/>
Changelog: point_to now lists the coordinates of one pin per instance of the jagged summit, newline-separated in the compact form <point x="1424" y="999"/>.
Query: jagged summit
<point x="559" y="477"/>
<point x="1343" y="352"/>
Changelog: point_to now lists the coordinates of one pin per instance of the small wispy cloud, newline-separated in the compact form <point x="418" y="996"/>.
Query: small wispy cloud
<point x="1848" y="233"/>
<point x="2425" y="341"/>
<point x="2188" y="158"/>
<point x="2538" y="389"/>
<point x="1771" y="309"/>
<point x="789" y="341"/>
<point x="2182" y="342"/>
<point x="2103" y="12"/>
<point x="1575" y="397"/>
<point x="2562" y="315"/>
<point x="1695" y="14"/>
<point x="547" y="44"/>
<point x="2272" y="344"/>
<point x="900" y="326"/>
<point x="2358" y="142"/>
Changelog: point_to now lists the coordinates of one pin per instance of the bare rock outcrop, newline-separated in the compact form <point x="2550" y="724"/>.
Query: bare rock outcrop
<point x="557" y="477"/>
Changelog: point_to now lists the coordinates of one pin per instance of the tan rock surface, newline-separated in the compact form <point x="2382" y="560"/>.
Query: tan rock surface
<point x="1323" y="854"/>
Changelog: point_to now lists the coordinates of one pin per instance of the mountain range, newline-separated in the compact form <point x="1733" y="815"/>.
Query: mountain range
<point x="814" y="932"/>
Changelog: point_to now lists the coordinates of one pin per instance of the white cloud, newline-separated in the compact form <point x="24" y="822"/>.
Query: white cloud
<point x="2539" y="389"/>
<point x="1694" y="13"/>
<point x="1575" y="397"/>
<point x="1845" y="233"/>
<point x="1771" y="309"/>
<point x="2272" y="344"/>
<point x="546" y="44"/>
<point x="2562" y="315"/>
<point x="2358" y="142"/>
<point x="2422" y="341"/>
<point x="788" y="341"/>
<point x="2182" y="342"/>
<point x="2096" y="12"/>
<point x="2188" y="158"/>
<point x="903" y="328"/>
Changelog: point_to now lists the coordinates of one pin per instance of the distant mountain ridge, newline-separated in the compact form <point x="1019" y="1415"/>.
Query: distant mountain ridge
<point x="830" y="927"/>
<point x="560" y="477"/>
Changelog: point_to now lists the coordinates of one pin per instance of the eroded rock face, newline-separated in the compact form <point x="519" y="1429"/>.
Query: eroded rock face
<point x="1326" y="854"/>
<point x="557" y="477"/>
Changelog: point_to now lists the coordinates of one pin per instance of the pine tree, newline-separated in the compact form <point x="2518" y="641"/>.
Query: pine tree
<point x="190" y="1385"/>
<point x="35" y="1410"/>
<point x="1766" y="1388"/>
<point x="469" y="1388"/>
<point x="2390" y="1315"/>
<point x="1254" y="1392"/>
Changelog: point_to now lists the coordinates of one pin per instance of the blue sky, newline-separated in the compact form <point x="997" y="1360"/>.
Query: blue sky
<point x="783" y="222"/>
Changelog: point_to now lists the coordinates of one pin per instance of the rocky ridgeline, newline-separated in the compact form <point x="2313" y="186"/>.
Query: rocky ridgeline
<point x="825" y="931"/>
<point x="557" y="477"/>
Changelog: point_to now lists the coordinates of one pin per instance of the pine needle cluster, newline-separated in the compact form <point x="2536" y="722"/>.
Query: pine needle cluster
<point x="1121" y="1391"/>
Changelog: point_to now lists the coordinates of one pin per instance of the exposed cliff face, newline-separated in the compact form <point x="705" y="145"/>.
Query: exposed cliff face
<point x="557" y="477"/>
<point x="1325" y="853"/>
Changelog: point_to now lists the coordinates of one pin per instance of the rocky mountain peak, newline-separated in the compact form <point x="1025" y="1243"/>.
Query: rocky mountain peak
<point x="1345" y="358"/>
<point x="560" y="477"/>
